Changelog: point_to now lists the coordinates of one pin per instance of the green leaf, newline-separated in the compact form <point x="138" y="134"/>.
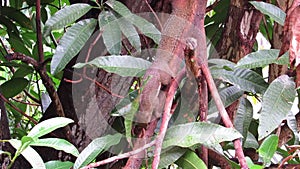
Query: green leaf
<point x="111" y="35"/>
<point x="96" y="147"/>
<point x="245" y="79"/>
<point x="277" y="102"/>
<point x="129" y="118"/>
<point x="293" y="125"/>
<point x="208" y="134"/>
<point x="58" y="144"/>
<point x="250" y="141"/>
<point x="268" y="148"/>
<point x="243" y="117"/>
<point x="16" y="15"/>
<point x="122" y="65"/>
<point x="65" y="16"/>
<point x="124" y="106"/>
<point x="71" y="43"/>
<point x="13" y="87"/>
<point x="130" y="33"/>
<point x="23" y="71"/>
<point x="10" y="26"/>
<point x="147" y="28"/>
<point x="29" y="154"/>
<point x="271" y="10"/>
<point x="18" y="45"/>
<point x="260" y="58"/>
<point x="251" y="165"/>
<point x="48" y="126"/>
<point x="191" y="160"/>
<point x="59" y="164"/>
<point x="228" y="96"/>
<point x="169" y="156"/>
<point x="25" y="142"/>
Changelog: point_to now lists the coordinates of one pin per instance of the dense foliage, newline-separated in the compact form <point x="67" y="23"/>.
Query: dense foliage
<point x="31" y="69"/>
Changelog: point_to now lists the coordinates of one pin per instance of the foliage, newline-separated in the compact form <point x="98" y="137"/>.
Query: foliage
<point x="23" y="146"/>
<point x="243" y="82"/>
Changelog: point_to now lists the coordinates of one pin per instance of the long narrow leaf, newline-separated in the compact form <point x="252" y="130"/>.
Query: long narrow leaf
<point x="169" y="156"/>
<point x="260" y="58"/>
<point x="95" y="148"/>
<point x="71" y="43"/>
<point x="191" y="160"/>
<point x="277" y="102"/>
<point x="112" y="35"/>
<point x="59" y="164"/>
<point x="48" y="126"/>
<point x="29" y="154"/>
<point x="66" y="16"/>
<point x="208" y="134"/>
<point x="130" y="33"/>
<point x="58" y="144"/>
<point x="143" y="25"/>
<point x="18" y="84"/>
<point x="228" y="96"/>
<point x="245" y="79"/>
<point x="121" y="65"/>
<point x="268" y="148"/>
<point x="243" y="117"/>
<point x="271" y="10"/>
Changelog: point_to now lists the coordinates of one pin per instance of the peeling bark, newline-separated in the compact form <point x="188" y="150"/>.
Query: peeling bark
<point x="240" y="31"/>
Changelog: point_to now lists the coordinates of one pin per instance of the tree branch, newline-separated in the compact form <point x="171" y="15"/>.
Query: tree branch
<point x="119" y="157"/>
<point x="46" y="81"/>
<point x="17" y="109"/>
<point x="195" y="72"/>
<point x="39" y="31"/>
<point x="169" y="109"/>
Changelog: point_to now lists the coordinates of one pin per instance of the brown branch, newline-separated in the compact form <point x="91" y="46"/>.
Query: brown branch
<point x="135" y="161"/>
<point x="119" y="157"/>
<point x="17" y="109"/>
<point x="96" y="82"/>
<point x="3" y="47"/>
<point x="24" y="102"/>
<point x="46" y="81"/>
<point x="169" y="109"/>
<point x="32" y="97"/>
<point x="226" y="120"/>
<point x="195" y="72"/>
<point x="39" y="31"/>
<point x="212" y="6"/>
<point x="90" y="50"/>
<point x="155" y="15"/>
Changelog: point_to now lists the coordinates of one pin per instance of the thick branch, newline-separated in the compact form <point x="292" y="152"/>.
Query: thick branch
<point x="195" y="72"/>
<point x="167" y="114"/>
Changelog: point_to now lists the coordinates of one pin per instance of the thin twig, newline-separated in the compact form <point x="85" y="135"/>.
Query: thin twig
<point x="167" y="114"/>
<point x="17" y="109"/>
<point x="119" y="157"/>
<point x="212" y="6"/>
<point x="47" y="83"/>
<point x="32" y="97"/>
<point x="23" y="102"/>
<point x="96" y="82"/>
<point x="267" y="31"/>
<point x="156" y="17"/>
<point x="3" y="46"/>
<point x="90" y="50"/>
